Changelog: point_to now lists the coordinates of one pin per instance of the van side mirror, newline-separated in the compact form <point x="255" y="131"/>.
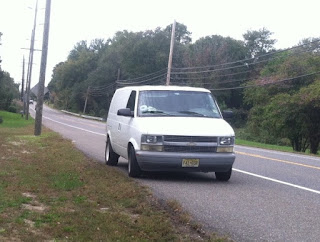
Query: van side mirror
<point x="125" y="112"/>
<point x="227" y="114"/>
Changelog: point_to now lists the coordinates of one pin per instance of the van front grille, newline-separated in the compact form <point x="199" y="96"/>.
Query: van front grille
<point x="192" y="144"/>
<point x="190" y="149"/>
<point x="179" y="138"/>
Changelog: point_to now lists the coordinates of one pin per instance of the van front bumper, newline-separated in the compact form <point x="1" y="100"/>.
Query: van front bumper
<point x="168" y="161"/>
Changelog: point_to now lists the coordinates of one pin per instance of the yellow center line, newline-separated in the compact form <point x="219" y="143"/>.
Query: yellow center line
<point x="273" y="159"/>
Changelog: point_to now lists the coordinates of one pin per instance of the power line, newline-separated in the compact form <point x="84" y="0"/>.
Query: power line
<point x="247" y="59"/>
<point x="233" y="67"/>
<point x="151" y="78"/>
<point x="264" y="84"/>
<point x="142" y="77"/>
<point x="101" y="88"/>
<point x="211" y="77"/>
<point x="139" y="82"/>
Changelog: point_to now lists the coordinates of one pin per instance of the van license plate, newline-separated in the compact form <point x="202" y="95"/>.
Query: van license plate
<point x="190" y="162"/>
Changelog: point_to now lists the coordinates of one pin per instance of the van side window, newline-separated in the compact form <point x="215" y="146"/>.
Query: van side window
<point x="131" y="101"/>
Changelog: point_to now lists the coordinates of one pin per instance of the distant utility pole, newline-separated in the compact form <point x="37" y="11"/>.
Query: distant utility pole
<point x="118" y="78"/>
<point x="39" y="107"/>
<point x="85" y="103"/>
<point x="29" y="73"/>
<point x="171" y="52"/>
<point x="22" y="80"/>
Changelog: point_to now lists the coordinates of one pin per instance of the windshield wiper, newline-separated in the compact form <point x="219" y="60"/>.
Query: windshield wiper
<point x="192" y="113"/>
<point x="156" y="112"/>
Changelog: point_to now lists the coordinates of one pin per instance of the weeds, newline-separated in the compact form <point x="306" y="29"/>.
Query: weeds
<point x="51" y="191"/>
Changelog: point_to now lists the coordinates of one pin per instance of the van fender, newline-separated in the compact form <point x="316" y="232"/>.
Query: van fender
<point x="134" y="143"/>
<point x="108" y="135"/>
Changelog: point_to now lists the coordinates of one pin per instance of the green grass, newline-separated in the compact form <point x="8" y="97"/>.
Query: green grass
<point x="14" y="120"/>
<point x="50" y="191"/>
<point x="270" y="147"/>
<point x="264" y="146"/>
<point x="67" y="181"/>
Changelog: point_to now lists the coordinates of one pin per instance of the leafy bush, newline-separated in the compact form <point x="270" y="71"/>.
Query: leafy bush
<point x="12" y="109"/>
<point x="239" y="119"/>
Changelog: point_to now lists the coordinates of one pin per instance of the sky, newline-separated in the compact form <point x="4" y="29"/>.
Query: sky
<point x="75" y="20"/>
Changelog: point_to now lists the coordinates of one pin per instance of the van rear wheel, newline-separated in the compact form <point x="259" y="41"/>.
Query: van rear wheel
<point x="110" y="157"/>
<point x="223" y="176"/>
<point x="133" y="166"/>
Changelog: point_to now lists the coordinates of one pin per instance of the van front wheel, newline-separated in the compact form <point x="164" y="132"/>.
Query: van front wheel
<point x="110" y="157"/>
<point x="224" y="176"/>
<point x="133" y="166"/>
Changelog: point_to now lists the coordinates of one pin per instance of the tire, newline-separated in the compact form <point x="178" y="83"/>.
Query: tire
<point x="133" y="166"/>
<point x="223" y="176"/>
<point x="110" y="157"/>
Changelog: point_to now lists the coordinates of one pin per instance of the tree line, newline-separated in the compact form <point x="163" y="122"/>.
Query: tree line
<point x="274" y="93"/>
<point x="8" y="89"/>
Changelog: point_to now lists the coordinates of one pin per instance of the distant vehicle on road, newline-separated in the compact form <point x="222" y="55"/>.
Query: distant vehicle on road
<point x="169" y="128"/>
<point x="30" y="101"/>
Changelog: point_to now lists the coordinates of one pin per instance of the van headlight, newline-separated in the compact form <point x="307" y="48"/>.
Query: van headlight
<point x="152" y="143"/>
<point x="225" y="145"/>
<point x="226" y="140"/>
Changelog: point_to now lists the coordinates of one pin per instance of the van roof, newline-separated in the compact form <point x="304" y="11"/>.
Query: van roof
<point x="178" y="88"/>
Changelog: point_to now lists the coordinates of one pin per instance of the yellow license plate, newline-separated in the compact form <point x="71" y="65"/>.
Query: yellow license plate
<point x="190" y="162"/>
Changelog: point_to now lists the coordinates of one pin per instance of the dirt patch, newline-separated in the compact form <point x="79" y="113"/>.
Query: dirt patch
<point x="35" y="205"/>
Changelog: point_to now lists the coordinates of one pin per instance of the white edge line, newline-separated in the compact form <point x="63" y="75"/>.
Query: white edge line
<point x="237" y="170"/>
<point x="71" y="126"/>
<point x="277" y="181"/>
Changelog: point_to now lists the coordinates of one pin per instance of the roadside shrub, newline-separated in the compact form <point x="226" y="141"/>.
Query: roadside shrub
<point x="12" y="109"/>
<point x="239" y="119"/>
<point x="102" y="113"/>
<point x="284" y="142"/>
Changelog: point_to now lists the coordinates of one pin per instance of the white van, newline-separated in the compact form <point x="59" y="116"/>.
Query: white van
<point x="169" y="128"/>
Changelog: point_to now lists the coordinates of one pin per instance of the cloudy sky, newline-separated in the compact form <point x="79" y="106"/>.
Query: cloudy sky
<point x="76" y="20"/>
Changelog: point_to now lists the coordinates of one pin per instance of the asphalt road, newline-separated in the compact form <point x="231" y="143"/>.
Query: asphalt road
<point x="271" y="196"/>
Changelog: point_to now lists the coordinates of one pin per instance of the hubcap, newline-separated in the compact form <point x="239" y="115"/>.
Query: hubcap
<point x="107" y="152"/>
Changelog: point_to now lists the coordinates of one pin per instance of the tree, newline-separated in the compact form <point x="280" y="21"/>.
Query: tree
<point x="72" y="75"/>
<point x="258" y="42"/>
<point x="287" y="109"/>
<point x="215" y="52"/>
<point x="182" y="35"/>
<point x="309" y="44"/>
<point x="308" y="98"/>
<point x="134" y="54"/>
<point x="8" y="90"/>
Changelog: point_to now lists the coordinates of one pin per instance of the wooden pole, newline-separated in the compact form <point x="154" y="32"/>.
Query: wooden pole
<point x="22" y="82"/>
<point x="85" y="103"/>
<point x="30" y="64"/>
<point x="39" y="107"/>
<point x="171" y="52"/>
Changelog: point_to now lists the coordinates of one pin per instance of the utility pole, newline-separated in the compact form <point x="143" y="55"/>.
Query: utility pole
<point x="118" y="78"/>
<point x="39" y="107"/>
<point x="171" y="52"/>
<point x="119" y="73"/>
<point x="85" y="103"/>
<point x="22" y="80"/>
<point x="29" y="73"/>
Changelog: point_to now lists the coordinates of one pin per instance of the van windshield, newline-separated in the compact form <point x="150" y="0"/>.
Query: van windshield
<point x="177" y="103"/>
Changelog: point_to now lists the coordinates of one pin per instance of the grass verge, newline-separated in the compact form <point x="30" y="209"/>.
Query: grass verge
<point x="50" y="191"/>
<point x="272" y="147"/>
<point x="264" y="146"/>
<point x="13" y="120"/>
